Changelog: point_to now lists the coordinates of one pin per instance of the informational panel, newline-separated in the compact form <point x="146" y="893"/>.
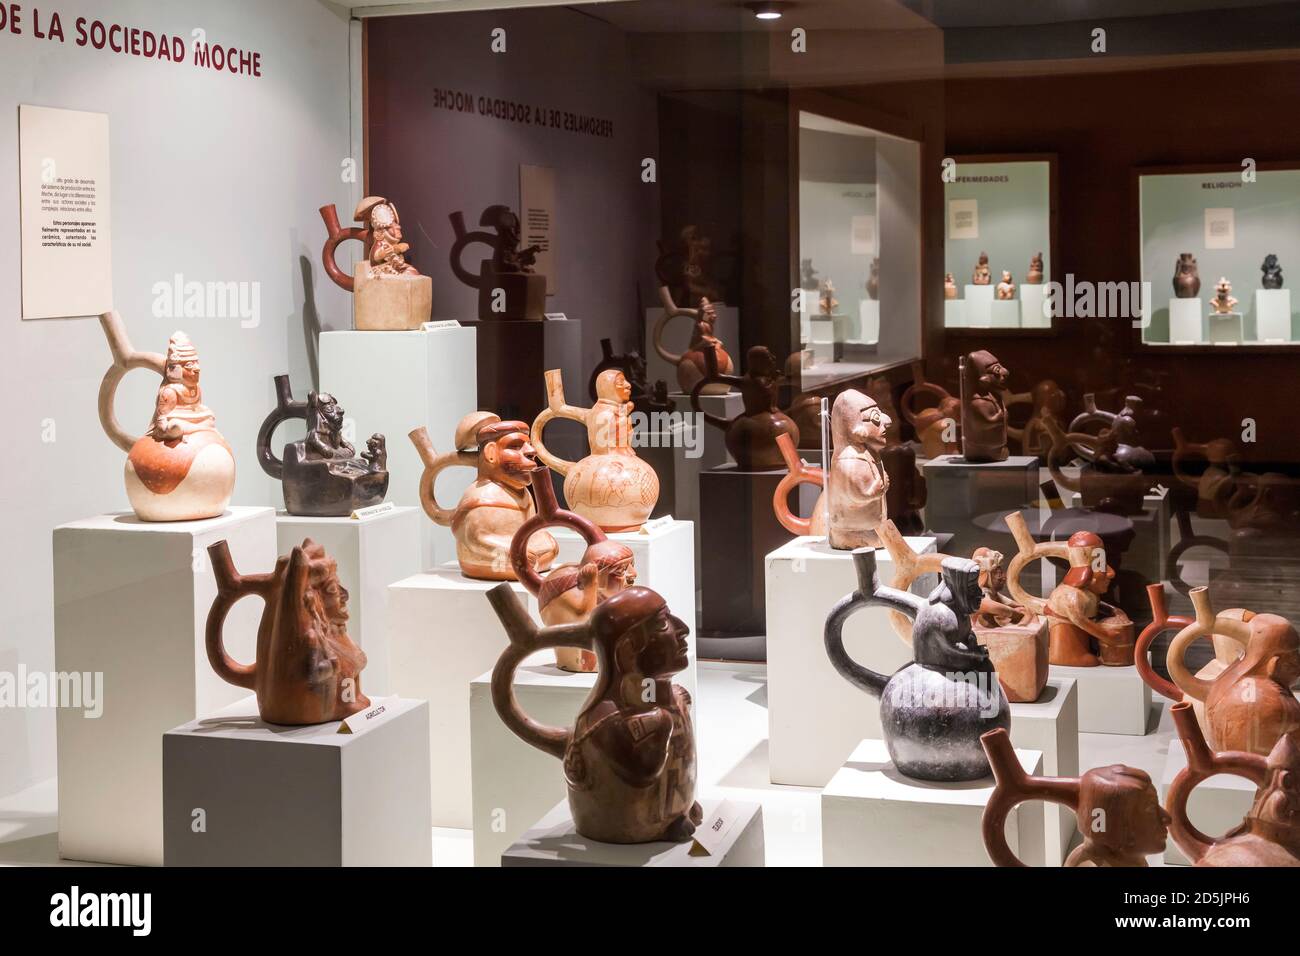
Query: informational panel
<point x="537" y="217"/>
<point x="63" y="172"/>
<point x="963" y="218"/>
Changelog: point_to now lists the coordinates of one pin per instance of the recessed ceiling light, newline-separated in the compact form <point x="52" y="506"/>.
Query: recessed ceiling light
<point x="766" y="11"/>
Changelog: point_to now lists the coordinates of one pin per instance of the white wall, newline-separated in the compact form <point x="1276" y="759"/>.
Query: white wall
<point x="214" y="176"/>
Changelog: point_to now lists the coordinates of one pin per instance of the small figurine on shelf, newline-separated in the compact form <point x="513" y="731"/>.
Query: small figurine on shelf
<point x="949" y="286"/>
<point x="322" y="475"/>
<point x="1006" y="289"/>
<point x="494" y="506"/>
<point x="857" y="485"/>
<point x="307" y="669"/>
<point x="983" y="416"/>
<point x="181" y="469"/>
<point x="873" y="279"/>
<point x="808" y="280"/>
<point x="936" y="427"/>
<point x="1223" y="303"/>
<point x="629" y="758"/>
<point x="1272" y="273"/>
<point x="389" y="294"/>
<point x="508" y="286"/>
<point x="981" y="275"/>
<point x="751" y="435"/>
<point x="1035" y="275"/>
<point x="645" y="398"/>
<point x="612" y="486"/>
<point x="826" y="302"/>
<point x="1187" y="277"/>
<point x="690" y="364"/>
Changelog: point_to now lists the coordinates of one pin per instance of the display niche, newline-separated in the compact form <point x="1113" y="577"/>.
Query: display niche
<point x="999" y="232"/>
<point x="858" y="251"/>
<point x="1215" y="245"/>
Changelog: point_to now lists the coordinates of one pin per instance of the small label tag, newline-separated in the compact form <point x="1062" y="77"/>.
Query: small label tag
<point x="440" y="324"/>
<point x="374" y="715"/>
<point x="709" y="835"/>
<point x="556" y="317"/>
<point x="383" y="508"/>
<point x="654" y="524"/>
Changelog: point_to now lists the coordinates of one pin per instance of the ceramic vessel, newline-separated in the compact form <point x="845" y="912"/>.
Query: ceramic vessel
<point x="570" y="592"/>
<point x="508" y="285"/>
<point x="1035" y="274"/>
<point x="937" y="427"/>
<point x="1006" y="287"/>
<point x="1109" y="480"/>
<point x="307" y="669"/>
<point x="611" y="486"/>
<point x="1271" y="273"/>
<point x="751" y="435"/>
<point x="981" y="274"/>
<point x="983" y="416"/>
<point x="690" y="364"/>
<point x="1117" y="808"/>
<point x="685" y="268"/>
<point x="798" y="472"/>
<point x="1270" y="833"/>
<point x="629" y="757"/>
<point x="1216" y="483"/>
<point x="827" y="304"/>
<point x="905" y="493"/>
<point x="873" y="279"/>
<point x="949" y="286"/>
<point x="857" y="484"/>
<point x="389" y="294"/>
<point x="1223" y="302"/>
<point x="1083" y="630"/>
<point x="496" y="504"/>
<point x="1047" y="403"/>
<point x="1187" y="278"/>
<point x="646" y="398"/>
<point x="934" y="710"/>
<point x="181" y="469"/>
<point x="321" y="475"/>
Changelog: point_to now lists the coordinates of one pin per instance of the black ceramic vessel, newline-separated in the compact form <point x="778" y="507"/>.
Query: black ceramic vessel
<point x="933" y="710"/>
<point x="322" y="475"/>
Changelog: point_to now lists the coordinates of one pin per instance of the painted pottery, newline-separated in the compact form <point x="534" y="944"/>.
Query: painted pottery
<point x="1187" y="278"/>
<point x="388" y="293"/>
<point x="751" y="435"/>
<point x="983" y="416"/>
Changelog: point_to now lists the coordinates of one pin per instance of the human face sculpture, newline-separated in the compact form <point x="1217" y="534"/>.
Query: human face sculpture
<point x="665" y="650"/>
<point x="510" y="460"/>
<point x="870" y="427"/>
<point x="334" y="596"/>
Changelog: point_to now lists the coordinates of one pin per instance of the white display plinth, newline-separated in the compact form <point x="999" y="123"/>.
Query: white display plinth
<point x="1112" y="700"/>
<point x="1215" y="807"/>
<point x="678" y="337"/>
<point x="868" y="322"/>
<point x="1004" y="314"/>
<point x="131" y="600"/>
<point x="371" y="553"/>
<point x="815" y="716"/>
<point x="443" y="634"/>
<point x="872" y="815"/>
<point x="824" y="332"/>
<point x="954" y="314"/>
<point x="1033" y="299"/>
<point x="1185" y="321"/>
<point x="1225" y="327"/>
<point x="979" y="305"/>
<point x="555" y="842"/>
<point x="1050" y="725"/>
<point x="515" y="784"/>
<point x="1273" y="315"/>
<point x="393" y="382"/>
<point x="273" y="795"/>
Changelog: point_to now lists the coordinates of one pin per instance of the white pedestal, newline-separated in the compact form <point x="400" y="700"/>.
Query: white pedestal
<point x="868" y="322"/>
<point x="1005" y="314"/>
<point x="1273" y="315"/>
<point x="1112" y="700"/>
<point x="979" y="305"/>
<point x="131" y="601"/>
<point x="1032" y="302"/>
<point x="874" y="816"/>
<point x="825" y="331"/>
<point x="443" y="634"/>
<point x="555" y="842"/>
<point x="1215" y="807"/>
<point x="815" y="716"/>
<point x="372" y="553"/>
<point x="954" y="314"/>
<point x="1224" y="327"/>
<point x="1051" y="725"/>
<point x="1185" y="321"/>
<point x="272" y="795"/>
<point x="392" y="382"/>
<point x="678" y="339"/>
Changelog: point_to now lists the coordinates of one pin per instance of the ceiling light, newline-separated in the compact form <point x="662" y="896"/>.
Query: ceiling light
<point x="766" y="11"/>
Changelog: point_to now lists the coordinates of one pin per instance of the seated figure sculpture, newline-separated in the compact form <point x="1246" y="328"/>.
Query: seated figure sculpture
<point x="509" y="287"/>
<point x="983" y="416"/>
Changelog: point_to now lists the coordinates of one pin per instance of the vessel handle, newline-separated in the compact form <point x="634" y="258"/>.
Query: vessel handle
<point x="125" y="358"/>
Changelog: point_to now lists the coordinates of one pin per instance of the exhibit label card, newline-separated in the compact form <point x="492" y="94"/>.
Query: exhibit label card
<point x="963" y="219"/>
<point x="537" y="217"/>
<point x="63" y="184"/>
<point x="1220" y="228"/>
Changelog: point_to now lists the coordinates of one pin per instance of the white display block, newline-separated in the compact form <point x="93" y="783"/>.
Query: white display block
<point x="979" y="305"/>
<point x="1112" y="700"/>
<point x="1225" y="327"/>
<point x="815" y="716"/>
<point x="1218" y="805"/>
<point x="1186" y="318"/>
<point x="273" y="795"/>
<point x="1033" y="299"/>
<point x="371" y="554"/>
<point x="1050" y="725"/>
<point x="443" y="634"/>
<point x="678" y="337"/>
<point x="872" y="815"/>
<point x="1273" y="315"/>
<point x="868" y="322"/>
<point x="131" y="601"/>
<point x="555" y="842"/>
<point x="824" y="331"/>
<point x="954" y="314"/>
<point x="393" y="382"/>
<point x="1004" y="314"/>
